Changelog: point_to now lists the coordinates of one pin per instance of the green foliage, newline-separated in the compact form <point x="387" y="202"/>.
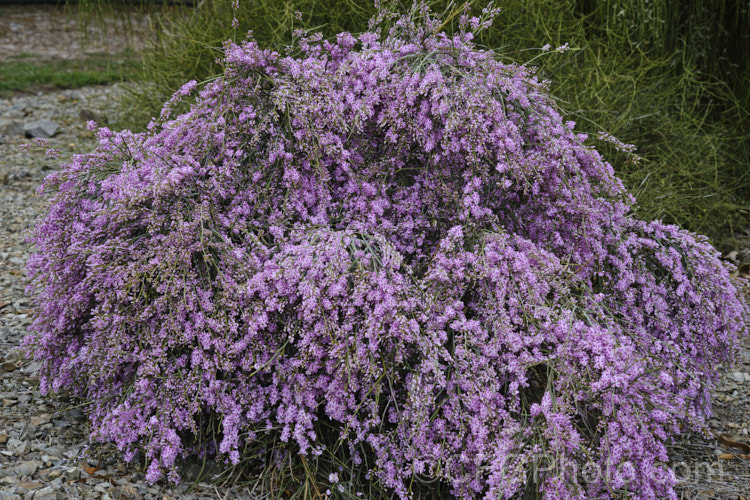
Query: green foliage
<point x="24" y="73"/>
<point x="690" y="128"/>
<point x="667" y="77"/>
<point x="711" y="37"/>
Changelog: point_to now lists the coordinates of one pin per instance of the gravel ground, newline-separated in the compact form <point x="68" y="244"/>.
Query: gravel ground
<point x="42" y="32"/>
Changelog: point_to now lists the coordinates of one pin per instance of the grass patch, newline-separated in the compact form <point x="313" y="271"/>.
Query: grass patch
<point x="23" y="73"/>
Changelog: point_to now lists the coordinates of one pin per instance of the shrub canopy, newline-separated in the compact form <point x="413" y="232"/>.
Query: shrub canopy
<point x="388" y="249"/>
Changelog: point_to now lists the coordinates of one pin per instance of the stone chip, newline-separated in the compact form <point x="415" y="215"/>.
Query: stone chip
<point x="41" y="129"/>
<point x="47" y="493"/>
<point x="24" y="469"/>
<point x="18" y="447"/>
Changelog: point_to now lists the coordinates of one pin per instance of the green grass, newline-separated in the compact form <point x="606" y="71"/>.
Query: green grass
<point x="23" y="73"/>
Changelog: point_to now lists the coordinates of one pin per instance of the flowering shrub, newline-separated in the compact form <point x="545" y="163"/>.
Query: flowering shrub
<point x="387" y="249"/>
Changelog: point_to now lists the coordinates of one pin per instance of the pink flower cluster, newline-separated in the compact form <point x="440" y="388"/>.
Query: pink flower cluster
<point x="392" y="235"/>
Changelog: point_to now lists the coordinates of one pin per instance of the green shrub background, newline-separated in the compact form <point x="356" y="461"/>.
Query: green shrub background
<point x="669" y="76"/>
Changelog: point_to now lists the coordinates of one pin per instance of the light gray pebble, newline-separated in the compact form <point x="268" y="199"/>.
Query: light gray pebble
<point x="18" y="447"/>
<point x="103" y="487"/>
<point x="42" y="129"/>
<point x="47" y="493"/>
<point x="25" y="469"/>
<point x="53" y="451"/>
